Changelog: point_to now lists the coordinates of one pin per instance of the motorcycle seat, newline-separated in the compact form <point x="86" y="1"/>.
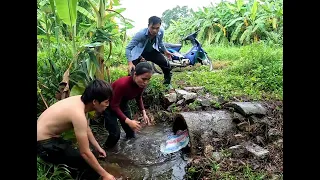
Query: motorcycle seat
<point x="169" y="45"/>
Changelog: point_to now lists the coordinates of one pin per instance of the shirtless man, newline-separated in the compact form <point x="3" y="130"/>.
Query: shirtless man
<point x="71" y="113"/>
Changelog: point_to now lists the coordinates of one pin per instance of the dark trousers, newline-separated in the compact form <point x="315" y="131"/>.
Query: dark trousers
<point x="60" y="151"/>
<point x="157" y="58"/>
<point x="111" y="125"/>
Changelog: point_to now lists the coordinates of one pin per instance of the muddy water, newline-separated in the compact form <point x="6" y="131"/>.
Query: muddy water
<point x="141" y="158"/>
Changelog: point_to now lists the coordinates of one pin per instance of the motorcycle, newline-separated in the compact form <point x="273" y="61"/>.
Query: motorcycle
<point x="195" y="55"/>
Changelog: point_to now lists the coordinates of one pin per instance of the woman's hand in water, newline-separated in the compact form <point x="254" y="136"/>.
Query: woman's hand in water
<point x="146" y="118"/>
<point x="133" y="124"/>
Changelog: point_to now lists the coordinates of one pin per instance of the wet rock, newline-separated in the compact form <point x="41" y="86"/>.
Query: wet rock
<point x="193" y="89"/>
<point x="198" y="108"/>
<point x="248" y="108"/>
<point x="274" y="134"/>
<point x="185" y="95"/>
<point x="238" y="151"/>
<point x="255" y="149"/>
<point x="218" y="99"/>
<point x="180" y="102"/>
<point x="238" y="117"/>
<point x="205" y="102"/>
<point x="171" y="97"/>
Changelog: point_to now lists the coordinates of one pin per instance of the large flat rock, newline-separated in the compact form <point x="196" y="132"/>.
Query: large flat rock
<point x="248" y="108"/>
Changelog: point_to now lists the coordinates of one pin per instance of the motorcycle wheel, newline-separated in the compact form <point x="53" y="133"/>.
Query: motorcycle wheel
<point x="210" y="64"/>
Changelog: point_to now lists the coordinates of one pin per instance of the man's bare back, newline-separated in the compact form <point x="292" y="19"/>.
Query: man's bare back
<point x="57" y="118"/>
<point x="69" y="114"/>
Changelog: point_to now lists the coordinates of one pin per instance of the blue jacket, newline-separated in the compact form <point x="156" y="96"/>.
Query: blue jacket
<point x="136" y="46"/>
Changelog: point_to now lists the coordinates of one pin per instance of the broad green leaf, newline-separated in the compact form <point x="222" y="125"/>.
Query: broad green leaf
<point x="234" y="21"/>
<point x="244" y="35"/>
<point x="120" y="10"/>
<point x="93" y="4"/>
<point x="254" y="10"/>
<point x="77" y="89"/>
<point x="86" y="13"/>
<point x="236" y="32"/>
<point x="274" y="23"/>
<point x="67" y="11"/>
<point x="91" y="68"/>
<point x="239" y="4"/>
<point x="217" y="38"/>
<point x="52" y="39"/>
<point x="91" y="114"/>
<point x="231" y="8"/>
<point x="255" y="28"/>
<point x="116" y="2"/>
<point x="52" y="5"/>
<point x="109" y="15"/>
<point x="92" y="45"/>
<point x="215" y="19"/>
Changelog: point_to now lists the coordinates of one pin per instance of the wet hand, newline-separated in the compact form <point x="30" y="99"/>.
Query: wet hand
<point x="102" y="152"/>
<point x="146" y="119"/>
<point x="133" y="124"/>
<point x="142" y="59"/>
<point x="130" y="67"/>
<point x="168" y="54"/>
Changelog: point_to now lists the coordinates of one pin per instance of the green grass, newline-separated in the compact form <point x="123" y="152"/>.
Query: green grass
<point x="47" y="171"/>
<point x="253" y="71"/>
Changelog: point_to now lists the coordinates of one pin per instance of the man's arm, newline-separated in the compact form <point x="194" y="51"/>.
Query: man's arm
<point x="164" y="49"/>
<point x="133" y="43"/>
<point x="92" y="139"/>
<point x="80" y="125"/>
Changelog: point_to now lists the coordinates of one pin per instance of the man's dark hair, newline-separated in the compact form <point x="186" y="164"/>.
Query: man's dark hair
<point x="97" y="90"/>
<point x="154" y="20"/>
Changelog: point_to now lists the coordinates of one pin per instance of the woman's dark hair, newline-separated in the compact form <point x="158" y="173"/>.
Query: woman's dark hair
<point x="154" y="20"/>
<point x="97" y="90"/>
<point x="141" y="68"/>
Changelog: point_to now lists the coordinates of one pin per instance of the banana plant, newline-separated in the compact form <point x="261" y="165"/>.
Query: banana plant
<point x="100" y="16"/>
<point x="67" y="12"/>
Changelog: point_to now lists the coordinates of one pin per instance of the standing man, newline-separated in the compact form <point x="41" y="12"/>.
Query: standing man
<point x="146" y="45"/>
<point x="67" y="114"/>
